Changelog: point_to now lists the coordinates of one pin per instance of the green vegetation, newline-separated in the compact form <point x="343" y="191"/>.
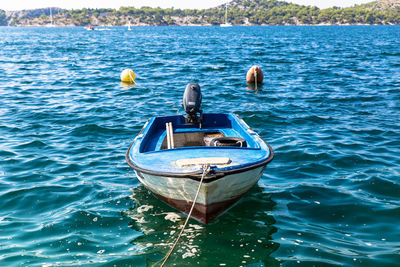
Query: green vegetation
<point x="3" y="18"/>
<point x="240" y="12"/>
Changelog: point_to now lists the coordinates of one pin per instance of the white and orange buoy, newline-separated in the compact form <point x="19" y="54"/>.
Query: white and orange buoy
<point x="255" y="75"/>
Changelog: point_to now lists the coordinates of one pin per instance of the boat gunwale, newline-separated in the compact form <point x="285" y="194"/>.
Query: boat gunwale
<point x="196" y="175"/>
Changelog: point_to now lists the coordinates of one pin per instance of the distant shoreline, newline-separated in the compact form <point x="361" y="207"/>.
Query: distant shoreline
<point x="185" y="25"/>
<point x="237" y="12"/>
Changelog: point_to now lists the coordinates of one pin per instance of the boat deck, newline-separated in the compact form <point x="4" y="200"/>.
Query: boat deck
<point x="149" y="150"/>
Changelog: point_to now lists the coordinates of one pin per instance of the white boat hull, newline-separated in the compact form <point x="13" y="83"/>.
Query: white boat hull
<point x="215" y="196"/>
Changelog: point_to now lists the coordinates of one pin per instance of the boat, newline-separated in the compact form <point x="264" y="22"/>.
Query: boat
<point x="51" y="20"/>
<point x="226" y="24"/>
<point x="89" y="28"/>
<point x="215" y="153"/>
<point x="129" y="26"/>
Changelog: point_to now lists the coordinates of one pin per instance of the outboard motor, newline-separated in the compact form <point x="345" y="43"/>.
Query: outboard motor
<point x="191" y="103"/>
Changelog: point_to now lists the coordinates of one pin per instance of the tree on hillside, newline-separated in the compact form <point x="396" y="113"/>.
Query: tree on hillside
<point x="3" y="18"/>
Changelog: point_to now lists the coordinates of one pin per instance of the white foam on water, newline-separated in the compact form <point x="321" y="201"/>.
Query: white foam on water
<point x="144" y="208"/>
<point x="172" y="216"/>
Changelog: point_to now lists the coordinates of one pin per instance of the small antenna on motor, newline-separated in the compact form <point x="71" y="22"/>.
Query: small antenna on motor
<point x="191" y="104"/>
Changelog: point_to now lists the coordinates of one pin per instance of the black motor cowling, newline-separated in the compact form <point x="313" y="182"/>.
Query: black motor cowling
<point x="192" y="103"/>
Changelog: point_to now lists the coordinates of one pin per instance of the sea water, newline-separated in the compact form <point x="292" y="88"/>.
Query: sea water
<point x="329" y="106"/>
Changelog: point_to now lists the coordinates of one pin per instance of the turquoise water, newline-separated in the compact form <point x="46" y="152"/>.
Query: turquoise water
<point x="330" y="107"/>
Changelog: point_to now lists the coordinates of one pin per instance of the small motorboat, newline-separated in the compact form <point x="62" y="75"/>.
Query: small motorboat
<point x="172" y="154"/>
<point x="89" y="28"/>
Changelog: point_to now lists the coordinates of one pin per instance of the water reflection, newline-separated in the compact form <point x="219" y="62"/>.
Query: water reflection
<point x="252" y="87"/>
<point x="241" y="236"/>
<point x="127" y="86"/>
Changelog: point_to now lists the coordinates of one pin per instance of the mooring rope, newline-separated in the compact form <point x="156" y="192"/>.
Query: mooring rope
<point x="132" y="78"/>
<point x="206" y="169"/>
<point x="255" y="78"/>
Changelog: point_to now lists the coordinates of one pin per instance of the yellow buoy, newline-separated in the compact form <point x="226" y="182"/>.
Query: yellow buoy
<point x="128" y="76"/>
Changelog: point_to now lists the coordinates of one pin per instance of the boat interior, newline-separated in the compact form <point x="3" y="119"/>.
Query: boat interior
<point x="191" y="139"/>
<point x="173" y="133"/>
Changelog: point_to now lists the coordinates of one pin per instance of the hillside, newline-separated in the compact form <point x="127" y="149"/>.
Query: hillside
<point x="240" y="12"/>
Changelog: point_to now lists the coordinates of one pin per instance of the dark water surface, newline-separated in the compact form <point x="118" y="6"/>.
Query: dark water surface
<point x="330" y="107"/>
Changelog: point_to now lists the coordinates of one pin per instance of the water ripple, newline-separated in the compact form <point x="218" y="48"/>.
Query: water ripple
<point x="329" y="107"/>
